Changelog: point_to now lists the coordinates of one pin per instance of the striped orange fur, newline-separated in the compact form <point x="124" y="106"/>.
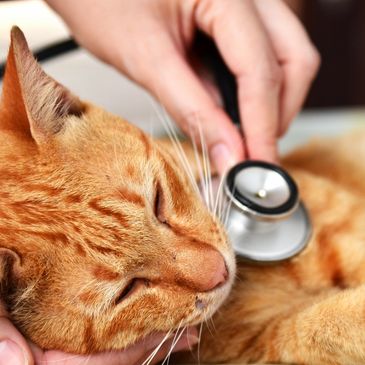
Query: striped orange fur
<point x="103" y="239"/>
<point x="310" y="309"/>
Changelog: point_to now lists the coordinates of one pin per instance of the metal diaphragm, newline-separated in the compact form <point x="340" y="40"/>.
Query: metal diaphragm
<point x="266" y="222"/>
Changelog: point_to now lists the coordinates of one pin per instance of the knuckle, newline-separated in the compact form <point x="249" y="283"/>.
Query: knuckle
<point x="270" y="76"/>
<point x="275" y="75"/>
<point x="310" y="61"/>
<point x="208" y="12"/>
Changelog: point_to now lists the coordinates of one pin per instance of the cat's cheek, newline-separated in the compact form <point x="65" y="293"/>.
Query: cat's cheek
<point x="157" y="312"/>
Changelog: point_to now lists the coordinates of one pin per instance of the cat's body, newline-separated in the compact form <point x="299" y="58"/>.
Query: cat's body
<point x="104" y="240"/>
<point x="311" y="308"/>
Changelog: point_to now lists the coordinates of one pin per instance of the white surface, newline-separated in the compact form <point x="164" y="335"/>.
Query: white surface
<point x="37" y="21"/>
<point x="92" y="80"/>
<point x="322" y="123"/>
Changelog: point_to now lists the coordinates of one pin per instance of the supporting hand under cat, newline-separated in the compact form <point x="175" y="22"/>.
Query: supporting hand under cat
<point x="15" y="350"/>
<point x="261" y="41"/>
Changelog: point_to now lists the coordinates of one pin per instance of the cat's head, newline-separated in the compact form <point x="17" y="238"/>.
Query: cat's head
<point x="103" y="239"/>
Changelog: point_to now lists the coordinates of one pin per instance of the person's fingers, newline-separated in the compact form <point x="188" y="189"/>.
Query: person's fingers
<point x="242" y="40"/>
<point x="179" y="89"/>
<point x="14" y="349"/>
<point x="133" y="355"/>
<point x="210" y="86"/>
<point x="298" y="57"/>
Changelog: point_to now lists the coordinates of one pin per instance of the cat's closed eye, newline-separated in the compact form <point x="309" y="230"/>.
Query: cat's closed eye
<point x="128" y="290"/>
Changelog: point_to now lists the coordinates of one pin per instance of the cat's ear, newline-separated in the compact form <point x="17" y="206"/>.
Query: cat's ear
<point x="10" y="264"/>
<point x="33" y="103"/>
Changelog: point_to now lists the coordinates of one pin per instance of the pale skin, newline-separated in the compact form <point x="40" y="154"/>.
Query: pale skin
<point x="262" y="43"/>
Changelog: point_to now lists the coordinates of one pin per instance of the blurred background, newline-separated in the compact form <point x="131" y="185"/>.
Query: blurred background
<point x="335" y="104"/>
<point x="337" y="28"/>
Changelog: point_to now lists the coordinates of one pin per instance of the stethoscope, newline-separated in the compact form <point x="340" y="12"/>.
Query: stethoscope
<point x="266" y="222"/>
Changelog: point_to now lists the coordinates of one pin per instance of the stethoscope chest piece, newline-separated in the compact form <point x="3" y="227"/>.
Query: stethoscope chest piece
<point x="266" y="221"/>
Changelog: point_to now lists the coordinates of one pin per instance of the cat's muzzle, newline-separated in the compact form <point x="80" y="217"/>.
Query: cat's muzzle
<point x="266" y="222"/>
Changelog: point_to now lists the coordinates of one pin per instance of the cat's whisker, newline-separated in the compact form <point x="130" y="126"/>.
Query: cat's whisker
<point x="213" y="324"/>
<point x="199" y="165"/>
<point x="227" y="212"/>
<point x="201" y="162"/>
<point x="156" y="350"/>
<point x="200" y="336"/>
<point x="170" y="130"/>
<point x="187" y="333"/>
<point x="206" y="168"/>
<point x="208" y="327"/>
<point x="175" y="341"/>
<point x="237" y="278"/>
<point x="224" y="204"/>
<point x="180" y="151"/>
<point x="204" y="180"/>
<point x="228" y="229"/>
<point x="206" y="172"/>
<point x="219" y="197"/>
<point x="25" y="293"/>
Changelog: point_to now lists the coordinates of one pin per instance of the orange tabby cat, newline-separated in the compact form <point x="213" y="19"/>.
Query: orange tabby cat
<point x="104" y="239"/>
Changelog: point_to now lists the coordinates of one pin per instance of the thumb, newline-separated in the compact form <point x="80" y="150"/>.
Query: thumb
<point x="13" y="347"/>
<point x="180" y="90"/>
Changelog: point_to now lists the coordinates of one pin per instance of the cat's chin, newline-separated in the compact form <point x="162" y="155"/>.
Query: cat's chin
<point x="208" y="303"/>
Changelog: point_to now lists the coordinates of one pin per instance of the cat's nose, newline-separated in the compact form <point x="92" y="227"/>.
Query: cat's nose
<point x="218" y="276"/>
<point x="200" y="270"/>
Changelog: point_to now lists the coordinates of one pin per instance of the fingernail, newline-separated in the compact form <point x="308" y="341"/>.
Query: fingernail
<point x="11" y="354"/>
<point x="221" y="157"/>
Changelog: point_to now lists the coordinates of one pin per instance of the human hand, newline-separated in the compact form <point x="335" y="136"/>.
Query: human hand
<point x="261" y="41"/>
<point x="15" y="350"/>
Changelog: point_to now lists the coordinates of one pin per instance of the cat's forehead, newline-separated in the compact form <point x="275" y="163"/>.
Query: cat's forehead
<point x="104" y="143"/>
<point x="100" y="129"/>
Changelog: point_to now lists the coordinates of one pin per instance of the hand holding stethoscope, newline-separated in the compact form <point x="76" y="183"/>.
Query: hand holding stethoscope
<point x="267" y="222"/>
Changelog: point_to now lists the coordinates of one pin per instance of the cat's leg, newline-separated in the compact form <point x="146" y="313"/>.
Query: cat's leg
<point x="331" y="331"/>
